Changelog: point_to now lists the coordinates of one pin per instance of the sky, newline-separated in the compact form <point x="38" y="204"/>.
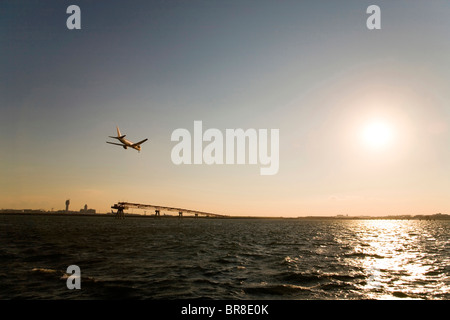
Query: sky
<point x="311" y="69"/>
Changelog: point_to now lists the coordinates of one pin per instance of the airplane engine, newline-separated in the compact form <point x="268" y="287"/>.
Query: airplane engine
<point x="124" y="147"/>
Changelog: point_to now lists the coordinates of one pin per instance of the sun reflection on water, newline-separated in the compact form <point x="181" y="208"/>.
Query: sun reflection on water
<point x="400" y="260"/>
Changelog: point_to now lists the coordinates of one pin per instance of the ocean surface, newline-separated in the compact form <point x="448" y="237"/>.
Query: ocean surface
<point x="210" y="258"/>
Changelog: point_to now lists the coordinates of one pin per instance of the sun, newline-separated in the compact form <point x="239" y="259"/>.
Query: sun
<point x="377" y="134"/>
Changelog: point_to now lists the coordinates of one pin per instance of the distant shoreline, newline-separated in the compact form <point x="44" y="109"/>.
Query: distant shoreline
<point x="438" y="216"/>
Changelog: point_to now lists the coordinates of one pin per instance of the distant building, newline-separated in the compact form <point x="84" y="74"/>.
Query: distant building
<point x="86" y="210"/>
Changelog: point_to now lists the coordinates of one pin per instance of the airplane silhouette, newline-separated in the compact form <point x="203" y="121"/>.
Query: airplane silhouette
<point x="126" y="143"/>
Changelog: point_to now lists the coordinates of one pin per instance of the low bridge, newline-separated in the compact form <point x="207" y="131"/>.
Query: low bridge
<point x="121" y="206"/>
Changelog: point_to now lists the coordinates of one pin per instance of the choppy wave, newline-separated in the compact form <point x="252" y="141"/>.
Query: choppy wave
<point x="224" y="258"/>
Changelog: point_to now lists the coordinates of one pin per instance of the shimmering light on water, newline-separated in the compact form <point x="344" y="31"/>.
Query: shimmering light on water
<point x="402" y="260"/>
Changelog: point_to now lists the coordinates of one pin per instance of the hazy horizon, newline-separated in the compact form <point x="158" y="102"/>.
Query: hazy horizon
<point x="363" y="115"/>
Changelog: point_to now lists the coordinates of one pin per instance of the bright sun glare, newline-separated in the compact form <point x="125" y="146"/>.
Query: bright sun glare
<point x="377" y="135"/>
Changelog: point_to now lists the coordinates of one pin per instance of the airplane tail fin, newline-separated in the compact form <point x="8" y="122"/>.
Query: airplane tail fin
<point x="119" y="135"/>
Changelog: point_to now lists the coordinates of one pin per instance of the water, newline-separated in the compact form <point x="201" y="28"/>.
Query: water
<point x="287" y="259"/>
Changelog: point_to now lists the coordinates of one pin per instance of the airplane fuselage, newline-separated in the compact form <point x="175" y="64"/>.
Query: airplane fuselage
<point x="127" y="143"/>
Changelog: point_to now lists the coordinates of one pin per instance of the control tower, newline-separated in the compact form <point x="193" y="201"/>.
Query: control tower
<point x="67" y="205"/>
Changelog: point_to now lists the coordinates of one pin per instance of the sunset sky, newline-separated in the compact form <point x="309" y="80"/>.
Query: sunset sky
<point x="363" y="115"/>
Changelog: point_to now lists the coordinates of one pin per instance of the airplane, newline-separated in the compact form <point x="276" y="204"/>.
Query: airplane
<point x="126" y="143"/>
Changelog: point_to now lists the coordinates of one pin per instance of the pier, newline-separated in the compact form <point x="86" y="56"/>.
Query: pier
<point x="121" y="206"/>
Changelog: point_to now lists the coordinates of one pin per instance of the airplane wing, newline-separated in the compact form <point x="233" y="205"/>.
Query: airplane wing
<point x="138" y="143"/>
<point x="117" y="144"/>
